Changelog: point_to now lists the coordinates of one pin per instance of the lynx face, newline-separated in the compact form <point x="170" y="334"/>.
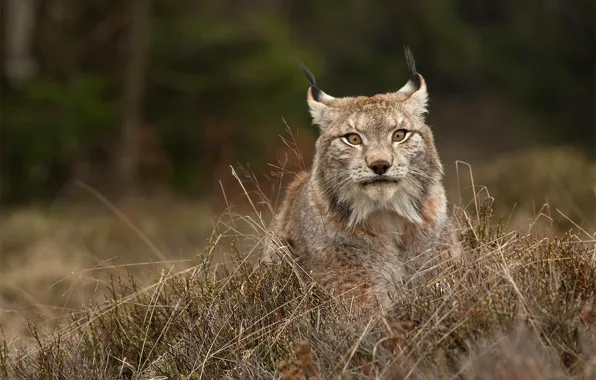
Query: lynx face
<point x="375" y="150"/>
<point x="374" y="153"/>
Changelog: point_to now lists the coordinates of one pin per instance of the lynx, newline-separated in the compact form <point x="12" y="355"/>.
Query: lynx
<point x="372" y="210"/>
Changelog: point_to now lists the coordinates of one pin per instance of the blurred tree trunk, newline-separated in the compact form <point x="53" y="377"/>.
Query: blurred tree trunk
<point x="134" y="85"/>
<point x="18" y="19"/>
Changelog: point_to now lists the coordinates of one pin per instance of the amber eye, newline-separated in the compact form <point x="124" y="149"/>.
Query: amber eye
<point x="399" y="135"/>
<point x="353" y="139"/>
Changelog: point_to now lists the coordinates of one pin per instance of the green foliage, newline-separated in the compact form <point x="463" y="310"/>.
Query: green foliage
<point x="45" y="124"/>
<point x="222" y="75"/>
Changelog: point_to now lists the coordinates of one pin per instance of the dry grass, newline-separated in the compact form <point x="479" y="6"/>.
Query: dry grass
<point x="549" y="186"/>
<point x="518" y="306"/>
<point x="55" y="260"/>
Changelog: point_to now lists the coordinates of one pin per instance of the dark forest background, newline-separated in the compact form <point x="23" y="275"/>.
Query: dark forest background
<point x="137" y="95"/>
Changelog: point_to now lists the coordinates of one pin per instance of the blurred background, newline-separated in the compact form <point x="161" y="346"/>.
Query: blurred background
<point x="120" y="119"/>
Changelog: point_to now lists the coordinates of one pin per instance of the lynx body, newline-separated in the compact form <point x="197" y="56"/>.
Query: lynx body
<point x="372" y="210"/>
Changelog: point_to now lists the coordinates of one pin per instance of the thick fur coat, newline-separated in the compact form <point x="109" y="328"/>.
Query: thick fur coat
<point x="372" y="210"/>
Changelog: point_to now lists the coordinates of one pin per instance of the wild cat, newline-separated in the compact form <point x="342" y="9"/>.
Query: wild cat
<point x="372" y="210"/>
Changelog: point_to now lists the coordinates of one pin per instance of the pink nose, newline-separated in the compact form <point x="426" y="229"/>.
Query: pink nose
<point x="380" y="167"/>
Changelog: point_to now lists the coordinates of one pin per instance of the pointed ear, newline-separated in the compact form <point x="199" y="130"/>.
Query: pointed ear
<point x="415" y="88"/>
<point x="319" y="103"/>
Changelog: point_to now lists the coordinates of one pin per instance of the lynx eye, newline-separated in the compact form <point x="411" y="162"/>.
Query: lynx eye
<point x="400" y="135"/>
<point x="352" y="139"/>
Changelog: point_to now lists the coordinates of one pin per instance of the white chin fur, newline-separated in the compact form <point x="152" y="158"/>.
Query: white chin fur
<point x="380" y="191"/>
<point x="375" y="197"/>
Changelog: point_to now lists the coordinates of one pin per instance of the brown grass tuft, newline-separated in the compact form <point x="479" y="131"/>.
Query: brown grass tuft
<point x="515" y="307"/>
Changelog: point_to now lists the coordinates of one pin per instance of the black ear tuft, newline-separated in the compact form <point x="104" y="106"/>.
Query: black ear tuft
<point x="309" y="76"/>
<point x="410" y="61"/>
<point x="313" y="83"/>
<point x="412" y="67"/>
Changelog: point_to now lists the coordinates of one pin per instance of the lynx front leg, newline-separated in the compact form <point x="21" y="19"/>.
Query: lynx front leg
<point x="351" y="286"/>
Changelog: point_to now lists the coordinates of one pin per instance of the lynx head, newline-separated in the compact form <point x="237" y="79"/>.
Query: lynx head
<point x="374" y="153"/>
